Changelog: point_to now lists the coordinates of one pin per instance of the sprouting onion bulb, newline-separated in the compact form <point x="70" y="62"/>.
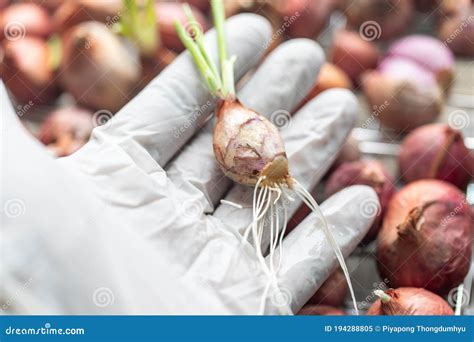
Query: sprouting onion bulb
<point x="250" y="151"/>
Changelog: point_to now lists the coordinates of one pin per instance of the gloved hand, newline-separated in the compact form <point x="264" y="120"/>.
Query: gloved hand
<point x="132" y="223"/>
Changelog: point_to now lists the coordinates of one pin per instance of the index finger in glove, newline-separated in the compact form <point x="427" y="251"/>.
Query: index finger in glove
<point x="177" y="103"/>
<point x="307" y="257"/>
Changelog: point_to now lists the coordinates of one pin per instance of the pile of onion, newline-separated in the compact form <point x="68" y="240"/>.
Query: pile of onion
<point x="426" y="239"/>
<point x="92" y="52"/>
<point x="408" y="88"/>
<point x="65" y="130"/>
<point x="365" y="172"/>
<point x="379" y="19"/>
<point x="353" y="54"/>
<point x="436" y="151"/>
<point x="409" y="301"/>
<point x="320" y="310"/>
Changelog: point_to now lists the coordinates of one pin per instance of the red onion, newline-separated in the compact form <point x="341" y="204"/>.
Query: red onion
<point x="71" y="13"/>
<point x="167" y="13"/>
<point x="92" y="52"/>
<point x="425" y="240"/>
<point x="332" y="292"/>
<point x="22" y="19"/>
<point x="353" y="54"/>
<point x="320" y="310"/>
<point x="305" y="18"/>
<point x="382" y="19"/>
<point x="458" y="31"/>
<point x="27" y="70"/>
<point x="349" y="153"/>
<point x="66" y="129"/>
<point x="436" y="151"/>
<point x="4" y="3"/>
<point x="409" y="301"/>
<point x="421" y="49"/>
<point x="365" y="172"/>
<point x="404" y="94"/>
<point x="151" y="67"/>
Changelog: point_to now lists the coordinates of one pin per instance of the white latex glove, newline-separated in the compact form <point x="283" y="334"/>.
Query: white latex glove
<point x="132" y="223"/>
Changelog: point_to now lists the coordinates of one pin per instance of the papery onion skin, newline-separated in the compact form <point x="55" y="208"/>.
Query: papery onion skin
<point x="92" y="52"/>
<point x="67" y="129"/>
<point x="458" y="31"/>
<point x="353" y="54"/>
<point x="320" y="310"/>
<point x="436" y="151"/>
<point x="410" y="301"/>
<point x="421" y="49"/>
<point x="425" y="240"/>
<point x="364" y="172"/>
<point x="27" y="19"/>
<point x="27" y="71"/>
<point x="332" y="292"/>
<point x="248" y="146"/>
<point x="403" y="94"/>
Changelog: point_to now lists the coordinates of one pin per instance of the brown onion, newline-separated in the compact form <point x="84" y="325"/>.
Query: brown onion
<point x="420" y="49"/>
<point x="22" y="19"/>
<point x="167" y="13"/>
<point x="65" y="130"/>
<point x="97" y="68"/>
<point x="330" y="76"/>
<point x="353" y="54"/>
<point x="382" y="19"/>
<point x="151" y="67"/>
<point x="365" y="172"/>
<point x="320" y="310"/>
<point x="458" y="32"/>
<point x="404" y="94"/>
<point x="409" y="301"/>
<point x="71" y="13"/>
<point x="332" y="292"/>
<point x="426" y="240"/>
<point x="27" y="70"/>
<point x="436" y="151"/>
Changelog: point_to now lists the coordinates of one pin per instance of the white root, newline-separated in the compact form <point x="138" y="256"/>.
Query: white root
<point x="311" y="203"/>
<point x="270" y="200"/>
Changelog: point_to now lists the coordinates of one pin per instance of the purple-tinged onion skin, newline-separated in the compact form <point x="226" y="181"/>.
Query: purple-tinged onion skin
<point x="364" y="172"/>
<point x="426" y="238"/>
<point x="411" y="301"/>
<point x="25" y="19"/>
<point x="436" y="151"/>
<point x="248" y="146"/>
<point x="421" y="49"/>
<point x="404" y="94"/>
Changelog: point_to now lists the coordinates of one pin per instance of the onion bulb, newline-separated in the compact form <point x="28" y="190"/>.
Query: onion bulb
<point x="436" y="151"/>
<point x="365" y="172"/>
<point x="409" y="301"/>
<point x="92" y="52"/>
<point x="332" y="292"/>
<point x="426" y="239"/>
